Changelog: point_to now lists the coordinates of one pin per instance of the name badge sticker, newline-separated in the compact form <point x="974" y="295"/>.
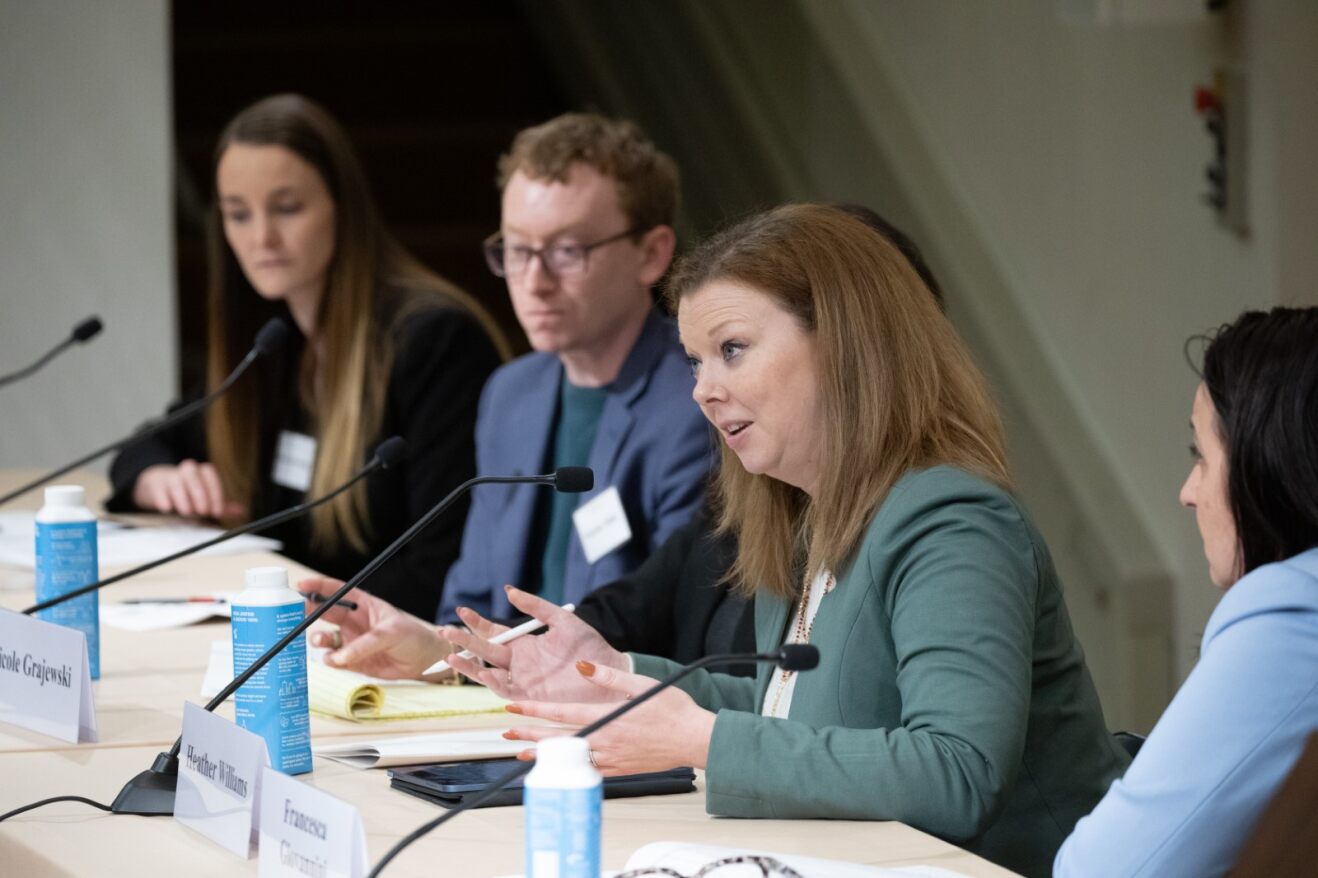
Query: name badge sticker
<point x="602" y="524"/>
<point x="295" y="458"/>
<point x="305" y="831"/>
<point x="219" y="775"/>
<point x="45" y="678"/>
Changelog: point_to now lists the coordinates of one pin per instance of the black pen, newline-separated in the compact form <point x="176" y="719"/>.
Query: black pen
<point x="317" y="598"/>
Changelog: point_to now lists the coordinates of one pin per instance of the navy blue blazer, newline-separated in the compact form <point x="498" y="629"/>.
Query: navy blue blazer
<point x="652" y="444"/>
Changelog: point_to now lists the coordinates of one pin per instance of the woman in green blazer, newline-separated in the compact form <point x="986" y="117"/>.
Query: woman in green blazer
<point x="864" y="477"/>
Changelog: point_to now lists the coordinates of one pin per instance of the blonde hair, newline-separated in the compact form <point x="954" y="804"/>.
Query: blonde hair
<point x="898" y="390"/>
<point x="373" y="284"/>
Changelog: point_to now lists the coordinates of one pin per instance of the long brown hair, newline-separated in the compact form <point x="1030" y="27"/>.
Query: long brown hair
<point x="898" y="391"/>
<point x="371" y="286"/>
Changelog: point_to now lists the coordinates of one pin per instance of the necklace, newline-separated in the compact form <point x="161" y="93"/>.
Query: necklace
<point x="801" y="632"/>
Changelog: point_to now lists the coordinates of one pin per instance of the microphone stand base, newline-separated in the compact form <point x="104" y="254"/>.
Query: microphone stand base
<point x="151" y="793"/>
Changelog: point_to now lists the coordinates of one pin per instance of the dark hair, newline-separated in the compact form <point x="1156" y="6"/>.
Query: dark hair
<point x="1261" y="373"/>
<point x="902" y="241"/>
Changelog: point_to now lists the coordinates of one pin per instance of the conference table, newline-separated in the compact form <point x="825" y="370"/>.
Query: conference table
<point x="147" y="677"/>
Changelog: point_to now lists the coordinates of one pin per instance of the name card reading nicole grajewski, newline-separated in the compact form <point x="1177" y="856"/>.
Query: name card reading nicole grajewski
<point x="219" y="773"/>
<point x="306" y="832"/>
<point x="45" y="681"/>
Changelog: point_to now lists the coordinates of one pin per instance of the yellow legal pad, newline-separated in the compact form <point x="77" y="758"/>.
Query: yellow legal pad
<point x="353" y="696"/>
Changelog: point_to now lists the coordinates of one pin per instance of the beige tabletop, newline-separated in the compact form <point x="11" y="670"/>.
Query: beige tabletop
<point x="146" y="678"/>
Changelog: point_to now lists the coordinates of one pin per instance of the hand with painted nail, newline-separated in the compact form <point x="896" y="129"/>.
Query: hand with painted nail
<point x="668" y="731"/>
<point x="377" y="638"/>
<point x="537" y="666"/>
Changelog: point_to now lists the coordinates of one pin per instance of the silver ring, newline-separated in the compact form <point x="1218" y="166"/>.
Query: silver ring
<point x="336" y="639"/>
<point x="591" y="755"/>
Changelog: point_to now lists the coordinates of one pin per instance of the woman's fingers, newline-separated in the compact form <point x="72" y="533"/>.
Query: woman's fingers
<point x="479" y="624"/>
<point x="495" y="654"/>
<point x="194" y="488"/>
<point x="574" y="715"/>
<point x="536" y="606"/>
<point x="179" y="503"/>
<point x="494" y="679"/>
<point x="210" y="482"/>
<point x="626" y="684"/>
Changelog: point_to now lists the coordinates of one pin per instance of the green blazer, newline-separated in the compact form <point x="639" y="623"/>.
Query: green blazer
<point x="951" y="693"/>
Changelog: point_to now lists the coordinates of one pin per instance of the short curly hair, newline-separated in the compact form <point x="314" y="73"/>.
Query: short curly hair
<point x="647" y="178"/>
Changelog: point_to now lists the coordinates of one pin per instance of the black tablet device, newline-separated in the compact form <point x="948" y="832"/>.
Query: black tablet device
<point x="448" y="783"/>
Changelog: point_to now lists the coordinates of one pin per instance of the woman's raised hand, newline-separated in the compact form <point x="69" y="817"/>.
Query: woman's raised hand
<point x="537" y="667"/>
<point x="377" y="638"/>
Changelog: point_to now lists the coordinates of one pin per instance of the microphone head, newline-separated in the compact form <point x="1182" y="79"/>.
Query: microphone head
<point x="798" y="657"/>
<point x="271" y="337"/>
<point x="574" y="479"/>
<point x="87" y="329"/>
<point x="391" y="451"/>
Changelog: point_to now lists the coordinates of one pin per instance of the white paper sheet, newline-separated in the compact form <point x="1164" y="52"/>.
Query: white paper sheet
<point x="121" y="545"/>
<point x="457" y="746"/>
<point x="159" y="616"/>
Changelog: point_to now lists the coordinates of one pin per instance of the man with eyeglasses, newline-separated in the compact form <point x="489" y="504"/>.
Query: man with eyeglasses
<point x="588" y="206"/>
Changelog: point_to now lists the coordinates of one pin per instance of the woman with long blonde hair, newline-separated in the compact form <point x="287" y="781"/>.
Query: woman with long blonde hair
<point x="383" y="347"/>
<point x="864" y="477"/>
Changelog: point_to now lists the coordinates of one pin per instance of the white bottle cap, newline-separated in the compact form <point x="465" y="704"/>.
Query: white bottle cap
<point x="567" y="752"/>
<point x="267" y="577"/>
<point x="68" y="496"/>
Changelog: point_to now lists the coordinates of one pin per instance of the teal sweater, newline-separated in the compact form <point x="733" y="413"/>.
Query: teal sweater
<point x="951" y="692"/>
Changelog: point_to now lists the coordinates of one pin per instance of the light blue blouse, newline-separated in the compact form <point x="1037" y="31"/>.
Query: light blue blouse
<point x="1220" y="752"/>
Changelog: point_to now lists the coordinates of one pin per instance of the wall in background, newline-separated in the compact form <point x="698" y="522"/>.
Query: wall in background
<point x="1071" y="147"/>
<point x="1047" y="157"/>
<point x="87" y="222"/>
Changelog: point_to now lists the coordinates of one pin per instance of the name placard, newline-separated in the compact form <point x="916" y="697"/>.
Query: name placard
<point x="306" y="832"/>
<point x="45" y="680"/>
<point x="219" y="777"/>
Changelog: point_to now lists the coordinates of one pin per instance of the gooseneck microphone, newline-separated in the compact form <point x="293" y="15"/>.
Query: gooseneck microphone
<point x="151" y="793"/>
<point x="269" y="339"/>
<point x="389" y="453"/>
<point x="789" y="657"/>
<point x="83" y="332"/>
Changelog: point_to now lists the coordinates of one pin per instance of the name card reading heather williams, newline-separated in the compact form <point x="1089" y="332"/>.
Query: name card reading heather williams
<point x="45" y="679"/>
<point x="307" y="832"/>
<point x="219" y="774"/>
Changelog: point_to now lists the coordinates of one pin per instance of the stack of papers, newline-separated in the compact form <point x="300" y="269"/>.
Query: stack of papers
<point x="424" y="749"/>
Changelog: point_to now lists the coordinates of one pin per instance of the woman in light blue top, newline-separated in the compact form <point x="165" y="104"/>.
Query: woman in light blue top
<point x="1229" y="738"/>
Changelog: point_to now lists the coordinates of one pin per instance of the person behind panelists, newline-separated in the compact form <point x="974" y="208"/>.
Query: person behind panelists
<point x="381" y="347"/>
<point x="1237" y="726"/>
<point x="863" y="474"/>
<point x="586" y="231"/>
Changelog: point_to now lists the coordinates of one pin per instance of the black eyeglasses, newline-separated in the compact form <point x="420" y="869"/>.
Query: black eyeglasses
<point x="725" y="868"/>
<point x="559" y="260"/>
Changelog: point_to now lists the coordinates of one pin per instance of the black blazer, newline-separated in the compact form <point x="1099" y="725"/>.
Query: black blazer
<point x="674" y="605"/>
<point x="443" y="359"/>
